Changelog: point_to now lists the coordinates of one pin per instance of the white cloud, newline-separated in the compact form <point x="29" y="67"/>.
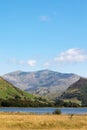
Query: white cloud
<point x="15" y="61"/>
<point x="44" y="18"/>
<point x="47" y="18"/>
<point x="46" y="64"/>
<point x="21" y="62"/>
<point x="72" y="55"/>
<point x="32" y="62"/>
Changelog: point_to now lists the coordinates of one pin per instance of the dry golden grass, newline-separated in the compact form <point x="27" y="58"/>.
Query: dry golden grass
<point x="21" y="121"/>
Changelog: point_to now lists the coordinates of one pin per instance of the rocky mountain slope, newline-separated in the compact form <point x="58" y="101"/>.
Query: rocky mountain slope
<point x="44" y="82"/>
<point x="77" y="92"/>
<point x="10" y="96"/>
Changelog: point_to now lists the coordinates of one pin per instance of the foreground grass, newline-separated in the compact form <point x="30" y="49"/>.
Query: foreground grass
<point x="21" y="121"/>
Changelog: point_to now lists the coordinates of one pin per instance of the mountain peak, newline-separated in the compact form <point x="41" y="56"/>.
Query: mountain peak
<point x="45" y="70"/>
<point x="42" y="82"/>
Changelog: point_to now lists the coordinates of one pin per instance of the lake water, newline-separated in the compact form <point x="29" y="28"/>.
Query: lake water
<point x="45" y="110"/>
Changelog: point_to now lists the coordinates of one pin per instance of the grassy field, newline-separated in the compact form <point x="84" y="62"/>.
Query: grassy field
<point x="21" y="121"/>
<point x="7" y="90"/>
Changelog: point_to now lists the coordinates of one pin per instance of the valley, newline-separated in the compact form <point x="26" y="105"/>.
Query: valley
<point x="44" y="88"/>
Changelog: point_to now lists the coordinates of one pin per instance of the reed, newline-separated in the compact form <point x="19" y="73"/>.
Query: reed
<point x="24" y="121"/>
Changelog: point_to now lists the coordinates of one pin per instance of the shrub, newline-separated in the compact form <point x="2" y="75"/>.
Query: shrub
<point x="57" y="111"/>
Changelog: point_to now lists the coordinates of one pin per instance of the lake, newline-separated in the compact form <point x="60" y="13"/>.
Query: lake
<point x="44" y="110"/>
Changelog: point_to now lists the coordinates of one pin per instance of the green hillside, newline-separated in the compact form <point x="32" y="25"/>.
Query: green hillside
<point x="7" y="91"/>
<point x="11" y="96"/>
<point x="77" y="92"/>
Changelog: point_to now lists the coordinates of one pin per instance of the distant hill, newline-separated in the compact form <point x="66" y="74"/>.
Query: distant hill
<point x="77" y="92"/>
<point x="44" y="82"/>
<point x="12" y="96"/>
<point x="8" y="91"/>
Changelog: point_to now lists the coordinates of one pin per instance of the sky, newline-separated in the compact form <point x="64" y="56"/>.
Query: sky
<point x="43" y="34"/>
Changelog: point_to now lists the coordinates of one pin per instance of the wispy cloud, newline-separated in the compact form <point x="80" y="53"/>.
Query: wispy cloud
<point x="32" y="62"/>
<point x="22" y="62"/>
<point x="47" y="64"/>
<point x="47" y="18"/>
<point x="44" y="18"/>
<point x="72" y="55"/>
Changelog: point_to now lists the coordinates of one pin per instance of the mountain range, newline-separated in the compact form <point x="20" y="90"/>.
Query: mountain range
<point x="11" y="96"/>
<point x="44" y="82"/>
<point x="64" y="89"/>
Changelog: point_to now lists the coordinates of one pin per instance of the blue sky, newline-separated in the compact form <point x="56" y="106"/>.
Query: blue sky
<point x="43" y="34"/>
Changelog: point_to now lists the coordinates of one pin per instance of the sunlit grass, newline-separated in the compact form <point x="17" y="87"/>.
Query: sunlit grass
<point x="22" y="121"/>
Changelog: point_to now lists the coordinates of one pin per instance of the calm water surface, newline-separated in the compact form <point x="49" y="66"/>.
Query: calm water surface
<point x="45" y="110"/>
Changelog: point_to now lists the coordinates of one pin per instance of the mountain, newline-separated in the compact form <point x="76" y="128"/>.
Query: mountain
<point x="8" y="91"/>
<point x="43" y="82"/>
<point x="10" y="96"/>
<point x="77" y="92"/>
